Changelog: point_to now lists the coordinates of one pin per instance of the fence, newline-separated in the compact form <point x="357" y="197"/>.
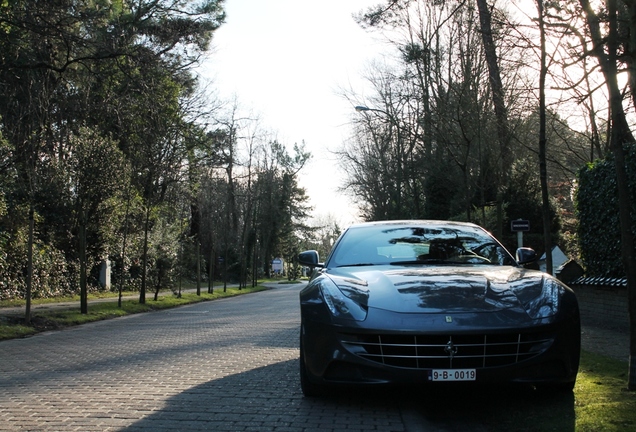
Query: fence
<point x="602" y="301"/>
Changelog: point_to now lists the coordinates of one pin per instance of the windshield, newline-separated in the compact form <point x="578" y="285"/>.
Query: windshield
<point x="418" y="245"/>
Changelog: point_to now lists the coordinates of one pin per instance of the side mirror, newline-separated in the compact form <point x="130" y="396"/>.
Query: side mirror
<point x="309" y="258"/>
<point x="526" y="255"/>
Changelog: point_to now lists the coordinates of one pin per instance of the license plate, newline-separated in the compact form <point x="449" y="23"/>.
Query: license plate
<point x="453" y="375"/>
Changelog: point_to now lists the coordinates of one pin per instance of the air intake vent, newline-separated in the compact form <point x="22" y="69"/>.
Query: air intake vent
<point x="447" y="351"/>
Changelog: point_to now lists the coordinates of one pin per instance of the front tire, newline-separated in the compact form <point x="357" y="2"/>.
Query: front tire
<point x="308" y="388"/>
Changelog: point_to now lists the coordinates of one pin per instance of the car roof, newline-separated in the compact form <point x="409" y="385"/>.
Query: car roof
<point x="414" y="222"/>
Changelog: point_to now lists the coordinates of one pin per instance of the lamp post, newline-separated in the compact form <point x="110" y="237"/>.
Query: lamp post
<point x="362" y="108"/>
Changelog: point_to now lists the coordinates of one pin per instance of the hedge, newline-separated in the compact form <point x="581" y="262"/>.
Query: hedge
<point x="597" y="210"/>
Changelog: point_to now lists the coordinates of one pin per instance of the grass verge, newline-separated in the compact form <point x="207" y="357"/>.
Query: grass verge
<point x="599" y="402"/>
<point x="601" y="399"/>
<point x="14" y="327"/>
<point x="75" y="298"/>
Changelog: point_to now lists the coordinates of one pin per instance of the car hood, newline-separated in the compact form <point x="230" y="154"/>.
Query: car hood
<point x="436" y="289"/>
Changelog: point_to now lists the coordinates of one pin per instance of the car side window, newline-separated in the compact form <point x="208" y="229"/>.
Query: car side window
<point x="494" y="253"/>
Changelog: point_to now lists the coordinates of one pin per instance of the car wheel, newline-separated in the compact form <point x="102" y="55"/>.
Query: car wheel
<point x="308" y="388"/>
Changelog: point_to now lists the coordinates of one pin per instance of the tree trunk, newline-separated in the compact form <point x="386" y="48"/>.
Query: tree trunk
<point x="157" y="285"/>
<point x="196" y="239"/>
<point x="620" y="134"/>
<point x="255" y="265"/>
<point x="627" y="248"/>
<point x="82" y="259"/>
<point x="211" y="275"/>
<point x="123" y="254"/>
<point x="225" y="259"/>
<point x="543" y="169"/>
<point x="631" y="52"/>
<point x="144" y="258"/>
<point x="29" y="283"/>
<point x="501" y="114"/>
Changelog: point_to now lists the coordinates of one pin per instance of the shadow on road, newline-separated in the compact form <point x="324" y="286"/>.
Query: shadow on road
<point x="518" y="408"/>
<point x="269" y="398"/>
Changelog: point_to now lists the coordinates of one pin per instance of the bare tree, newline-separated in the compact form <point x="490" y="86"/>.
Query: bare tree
<point x="543" y="170"/>
<point x="606" y="48"/>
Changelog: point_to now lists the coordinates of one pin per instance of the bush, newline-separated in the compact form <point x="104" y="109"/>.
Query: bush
<point x="597" y="210"/>
<point x="52" y="275"/>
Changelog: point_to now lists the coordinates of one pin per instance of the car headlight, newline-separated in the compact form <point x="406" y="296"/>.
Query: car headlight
<point x="542" y="300"/>
<point x="345" y="301"/>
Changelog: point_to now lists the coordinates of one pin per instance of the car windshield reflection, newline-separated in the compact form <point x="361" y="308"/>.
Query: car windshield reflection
<point x="418" y="245"/>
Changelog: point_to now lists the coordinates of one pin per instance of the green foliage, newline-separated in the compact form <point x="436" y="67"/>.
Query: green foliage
<point x="282" y="205"/>
<point x="322" y="236"/>
<point x="108" y="140"/>
<point x="53" y="275"/>
<point x="440" y="187"/>
<point x="92" y="88"/>
<point x="597" y="209"/>
<point x="523" y="201"/>
<point x="95" y="170"/>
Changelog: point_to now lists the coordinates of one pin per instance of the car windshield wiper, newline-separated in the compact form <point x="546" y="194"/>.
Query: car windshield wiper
<point x="358" y="265"/>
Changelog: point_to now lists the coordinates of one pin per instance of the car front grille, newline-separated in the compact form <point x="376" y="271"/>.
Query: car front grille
<point x="447" y="351"/>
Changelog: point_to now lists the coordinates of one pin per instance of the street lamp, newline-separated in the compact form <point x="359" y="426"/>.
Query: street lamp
<point x="362" y="108"/>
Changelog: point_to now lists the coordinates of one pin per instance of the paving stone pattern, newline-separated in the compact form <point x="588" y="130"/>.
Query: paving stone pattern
<point x="226" y="365"/>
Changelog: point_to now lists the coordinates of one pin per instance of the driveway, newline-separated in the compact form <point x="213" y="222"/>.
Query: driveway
<point x="225" y="365"/>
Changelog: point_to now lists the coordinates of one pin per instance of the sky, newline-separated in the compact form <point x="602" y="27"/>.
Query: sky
<point x="286" y="60"/>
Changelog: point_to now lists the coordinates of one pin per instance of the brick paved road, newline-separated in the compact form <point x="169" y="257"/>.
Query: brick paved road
<point x="227" y="365"/>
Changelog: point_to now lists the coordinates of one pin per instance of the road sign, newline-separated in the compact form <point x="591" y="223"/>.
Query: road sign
<point x="520" y="225"/>
<point x="277" y="264"/>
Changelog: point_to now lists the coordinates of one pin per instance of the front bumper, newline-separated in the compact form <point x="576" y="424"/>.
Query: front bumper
<point x="542" y="354"/>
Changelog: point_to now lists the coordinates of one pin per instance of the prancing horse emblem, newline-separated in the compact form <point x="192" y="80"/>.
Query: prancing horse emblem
<point x="451" y="349"/>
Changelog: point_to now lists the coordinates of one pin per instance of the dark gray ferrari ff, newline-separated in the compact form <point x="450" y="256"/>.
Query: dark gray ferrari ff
<point x="419" y="302"/>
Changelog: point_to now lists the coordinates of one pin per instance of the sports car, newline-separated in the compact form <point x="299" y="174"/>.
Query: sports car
<point x="425" y="302"/>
